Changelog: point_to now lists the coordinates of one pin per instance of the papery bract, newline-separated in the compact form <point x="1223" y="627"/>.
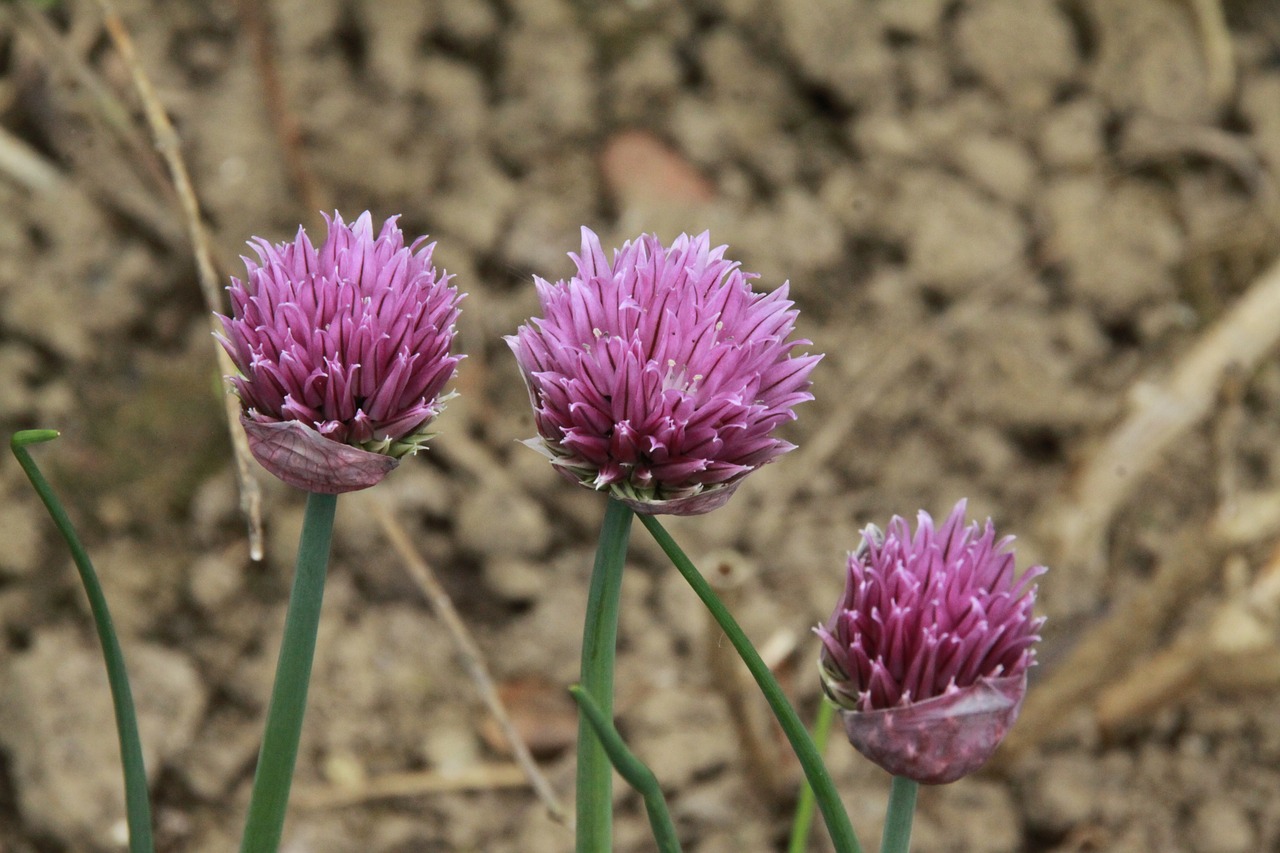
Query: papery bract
<point x="660" y="376"/>
<point x="928" y="650"/>
<point x="343" y="353"/>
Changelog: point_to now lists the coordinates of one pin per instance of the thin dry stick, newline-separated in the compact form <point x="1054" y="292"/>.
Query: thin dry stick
<point x="109" y="107"/>
<point x="166" y="140"/>
<point x="254" y="17"/>
<point x="469" y="653"/>
<point x="1238" y="639"/>
<point x="27" y="166"/>
<point x="751" y="720"/>
<point x="1112" y="644"/>
<point x="1219" y="54"/>
<point x="878" y="371"/>
<point x="482" y="778"/>
<point x="1162" y="413"/>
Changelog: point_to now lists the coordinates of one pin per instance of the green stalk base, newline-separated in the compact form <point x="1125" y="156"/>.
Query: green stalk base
<point x="599" y="648"/>
<point x="279" y="753"/>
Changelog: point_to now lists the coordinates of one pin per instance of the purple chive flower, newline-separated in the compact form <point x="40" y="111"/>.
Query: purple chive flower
<point x="928" y="650"/>
<point x="660" y="377"/>
<point x="343" y="353"/>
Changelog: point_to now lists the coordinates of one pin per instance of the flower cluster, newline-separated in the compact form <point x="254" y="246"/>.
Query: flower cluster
<point x="928" y="650"/>
<point x="343" y="352"/>
<point x="660" y="376"/>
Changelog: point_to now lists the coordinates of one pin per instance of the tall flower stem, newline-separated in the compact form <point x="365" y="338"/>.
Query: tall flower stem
<point x="800" y="827"/>
<point x="599" y="647"/>
<point x="634" y="771"/>
<point x="815" y="771"/>
<point x="137" y="800"/>
<point x="899" y="815"/>
<point x="293" y="674"/>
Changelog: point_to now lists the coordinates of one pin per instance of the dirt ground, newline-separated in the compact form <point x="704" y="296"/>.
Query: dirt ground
<point x="1034" y="237"/>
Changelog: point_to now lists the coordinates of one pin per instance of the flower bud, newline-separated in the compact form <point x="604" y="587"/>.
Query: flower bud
<point x="343" y="353"/>
<point x="928" y="650"/>
<point x="660" y="376"/>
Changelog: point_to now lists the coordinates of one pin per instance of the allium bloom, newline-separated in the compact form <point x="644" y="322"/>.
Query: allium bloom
<point x="343" y="353"/>
<point x="928" y="650"/>
<point x="659" y="377"/>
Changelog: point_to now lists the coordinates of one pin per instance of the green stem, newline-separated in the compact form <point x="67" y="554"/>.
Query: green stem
<point x="137" y="801"/>
<point x="599" y="647"/>
<point x="633" y="770"/>
<point x="293" y="674"/>
<point x="815" y="771"/>
<point x="805" y="806"/>
<point x="898" y="817"/>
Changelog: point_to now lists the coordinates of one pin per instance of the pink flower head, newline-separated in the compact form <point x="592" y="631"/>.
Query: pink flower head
<point x="343" y="353"/>
<point x="660" y="377"/>
<point x="928" y="650"/>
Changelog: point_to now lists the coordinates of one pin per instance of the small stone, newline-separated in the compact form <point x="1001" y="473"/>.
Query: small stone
<point x="1221" y="825"/>
<point x="57" y="723"/>
<point x="214" y="580"/>
<point x="394" y="32"/>
<point x="467" y="22"/>
<point x="642" y="84"/>
<point x="476" y="202"/>
<point x="1045" y="57"/>
<point x="139" y="581"/>
<point x="1071" y="137"/>
<point x="450" y="743"/>
<point x="916" y="18"/>
<point x="17" y="365"/>
<point x="640" y="169"/>
<point x="838" y="44"/>
<point x="956" y="238"/>
<point x="22" y="524"/>
<point x="1105" y="233"/>
<point x="1150" y="60"/>
<point x="976" y="817"/>
<point x="682" y="729"/>
<point x="885" y="134"/>
<point x="1064" y="791"/>
<point x="999" y="165"/>
<point x="457" y="101"/>
<point x="221" y="753"/>
<point x="305" y="25"/>
<point x="502" y="524"/>
<point x="514" y="579"/>
<point x="1258" y="98"/>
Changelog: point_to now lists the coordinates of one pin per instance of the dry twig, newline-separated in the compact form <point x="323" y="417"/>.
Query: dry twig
<point x="468" y="653"/>
<point x="166" y="140"/>
<point x="1162" y="412"/>
<point x="392" y="785"/>
<point x="113" y="113"/>
<point x="254" y="18"/>
<point x="1235" y="648"/>
<point x="26" y="166"/>
<point x="1219" y="54"/>
<point x="1110" y="646"/>
<point x="877" y="371"/>
<point x="752" y="723"/>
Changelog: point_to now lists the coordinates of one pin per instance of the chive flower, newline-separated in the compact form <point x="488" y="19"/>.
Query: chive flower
<point x="343" y="352"/>
<point x="659" y="377"/>
<point x="927" y="651"/>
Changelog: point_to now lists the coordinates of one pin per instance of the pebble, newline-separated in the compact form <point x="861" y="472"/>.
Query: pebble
<point x="1044" y="60"/>
<point x="23" y="525"/>
<point x="1221" y="825"/>
<point x="57" y="723"/>
<point x="1061" y="793"/>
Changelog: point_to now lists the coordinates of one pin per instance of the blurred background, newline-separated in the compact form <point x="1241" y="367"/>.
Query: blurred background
<point x="1035" y="239"/>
